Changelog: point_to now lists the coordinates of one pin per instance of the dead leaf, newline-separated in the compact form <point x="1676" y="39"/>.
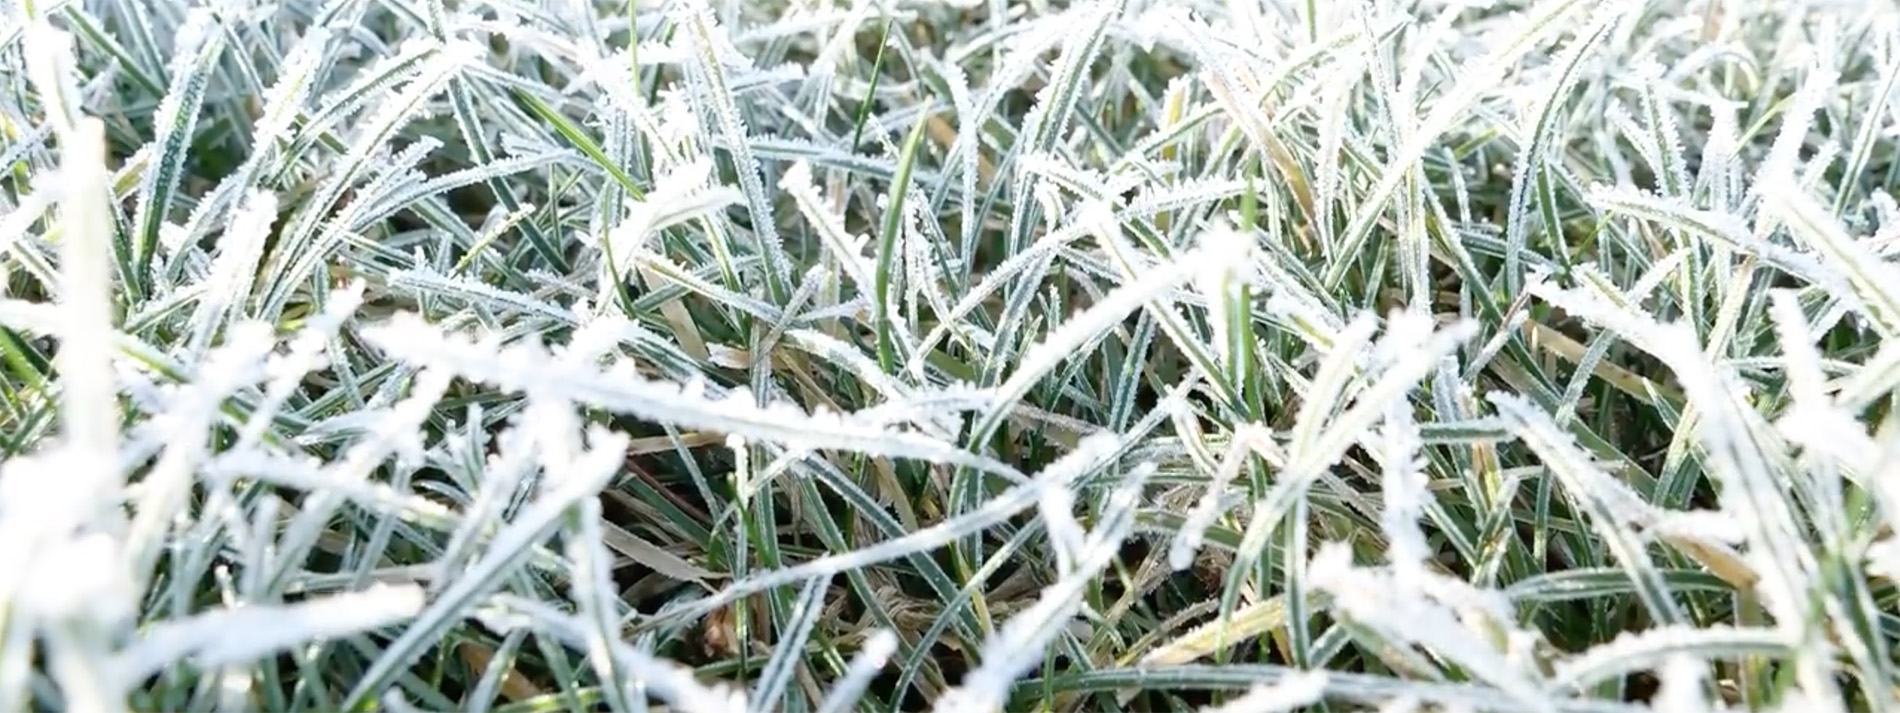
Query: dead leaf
<point x="650" y="555"/>
<point x="514" y="686"/>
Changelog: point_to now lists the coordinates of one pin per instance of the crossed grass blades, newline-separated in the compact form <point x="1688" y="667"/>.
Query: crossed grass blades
<point x="960" y="355"/>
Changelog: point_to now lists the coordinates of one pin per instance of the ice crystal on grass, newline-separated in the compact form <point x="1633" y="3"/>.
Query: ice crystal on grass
<point x="1529" y="355"/>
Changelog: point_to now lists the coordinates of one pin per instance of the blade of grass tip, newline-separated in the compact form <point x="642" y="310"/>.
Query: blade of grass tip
<point x="1048" y="121"/>
<point x="1545" y="137"/>
<point x="1092" y="454"/>
<point x="887" y="250"/>
<point x="870" y="93"/>
<point x="1072" y="335"/>
<point x="1609" y="504"/>
<point x="790" y="647"/>
<point x="706" y="76"/>
<point x="1869" y="134"/>
<point x="1752" y="474"/>
<point x="840" y="537"/>
<point x="165" y="490"/>
<point x="1797" y="120"/>
<point x="99" y="36"/>
<point x="1411" y="334"/>
<point x="475" y="139"/>
<point x="857" y="678"/>
<point x="1486" y="75"/>
<point x="580" y="140"/>
<point x="311" y="239"/>
<point x="1723" y="228"/>
<point x="1874" y="281"/>
<point x="1012" y="651"/>
<point x="468" y="118"/>
<point x="177" y="122"/>
<point x="1213" y="501"/>
<point x="1069" y="337"/>
<point x="1811" y="409"/>
<point x="233" y="269"/>
<point x="25" y="362"/>
<point x="1228" y="287"/>
<point x="583" y="477"/>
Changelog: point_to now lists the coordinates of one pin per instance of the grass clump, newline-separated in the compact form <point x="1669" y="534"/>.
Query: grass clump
<point x="497" y="355"/>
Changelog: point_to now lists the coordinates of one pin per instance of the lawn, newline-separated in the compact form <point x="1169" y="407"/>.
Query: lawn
<point x="815" y="356"/>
